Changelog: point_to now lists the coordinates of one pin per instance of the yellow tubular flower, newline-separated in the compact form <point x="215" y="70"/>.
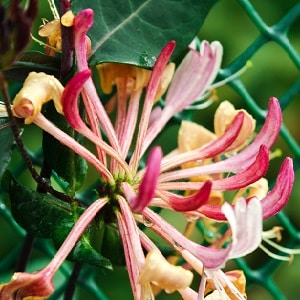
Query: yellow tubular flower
<point x="224" y="116"/>
<point x="138" y="78"/>
<point x="38" y="88"/>
<point x="52" y="30"/>
<point x="109" y="72"/>
<point x="237" y="277"/>
<point x="160" y="272"/>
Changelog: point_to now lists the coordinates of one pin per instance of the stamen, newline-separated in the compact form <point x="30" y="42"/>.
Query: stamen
<point x="203" y="105"/>
<point x="42" y="43"/>
<point x="232" y="76"/>
<point x="275" y="232"/>
<point x="210" y="96"/>
<point x="273" y="255"/>
<point x="53" y="9"/>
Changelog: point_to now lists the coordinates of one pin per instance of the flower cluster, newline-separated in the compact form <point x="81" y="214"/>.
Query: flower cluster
<point x="184" y="181"/>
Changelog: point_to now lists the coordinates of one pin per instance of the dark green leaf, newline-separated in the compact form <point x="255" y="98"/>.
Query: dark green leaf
<point x="112" y="246"/>
<point x="36" y="212"/>
<point x="68" y="165"/>
<point x="44" y="216"/>
<point x="6" y="143"/>
<point x="135" y="31"/>
<point x="83" y="251"/>
<point x="32" y="61"/>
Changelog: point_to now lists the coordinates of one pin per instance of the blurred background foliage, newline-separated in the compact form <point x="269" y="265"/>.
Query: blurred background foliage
<point x="271" y="74"/>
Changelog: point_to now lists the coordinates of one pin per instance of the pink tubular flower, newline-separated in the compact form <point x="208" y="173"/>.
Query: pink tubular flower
<point x="130" y="188"/>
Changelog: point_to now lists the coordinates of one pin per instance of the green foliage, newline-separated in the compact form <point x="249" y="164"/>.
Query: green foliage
<point x="32" y="61"/>
<point x="6" y="143"/>
<point x="135" y="31"/>
<point x="68" y="165"/>
<point x="45" y="216"/>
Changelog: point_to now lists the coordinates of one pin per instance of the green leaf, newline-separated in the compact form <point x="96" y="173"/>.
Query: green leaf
<point x="45" y="216"/>
<point x="68" y="165"/>
<point x="36" y="212"/>
<point x="135" y="31"/>
<point x="83" y="251"/>
<point x="112" y="246"/>
<point x="6" y="143"/>
<point x="32" y="61"/>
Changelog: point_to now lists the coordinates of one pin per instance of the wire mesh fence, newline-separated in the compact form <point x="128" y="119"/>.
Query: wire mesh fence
<point x="271" y="75"/>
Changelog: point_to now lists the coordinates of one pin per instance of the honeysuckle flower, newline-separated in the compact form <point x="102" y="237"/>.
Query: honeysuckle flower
<point x="52" y="30"/>
<point x="193" y="136"/>
<point x="224" y="115"/>
<point x="245" y="221"/>
<point x="130" y="189"/>
<point x="38" y="89"/>
<point x="39" y="285"/>
<point x="161" y="273"/>
<point x="237" y="277"/>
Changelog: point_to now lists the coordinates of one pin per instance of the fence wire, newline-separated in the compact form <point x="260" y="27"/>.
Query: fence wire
<point x="267" y="278"/>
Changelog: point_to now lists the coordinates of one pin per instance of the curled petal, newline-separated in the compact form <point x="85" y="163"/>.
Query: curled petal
<point x="210" y="257"/>
<point x="192" y="202"/>
<point x="152" y="89"/>
<point x="148" y="184"/>
<point x="267" y="136"/>
<point x="38" y="89"/>
<point x="82" y="22"/>
<point x="194" y="75"/>
<point x="158" y="70"/>
<point x="213" y="212"/>
<point x="34" y="286"/>
<point x="274" y="200"/>
<point x="253" y="173"/>
<point x="247" y="176"/>
<point x="70" y="98"/>
<point x="245" y="221"/>
<point x="224" y="115"/>
<point x="279" y="195"/>
<point x="224" y="141"/>
<point x="210" y="150"/>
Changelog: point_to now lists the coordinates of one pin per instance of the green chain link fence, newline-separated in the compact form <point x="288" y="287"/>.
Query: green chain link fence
<point x="267" y="33"/>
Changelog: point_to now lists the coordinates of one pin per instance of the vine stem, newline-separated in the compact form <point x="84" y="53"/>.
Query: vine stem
<point x="67" y="55"/>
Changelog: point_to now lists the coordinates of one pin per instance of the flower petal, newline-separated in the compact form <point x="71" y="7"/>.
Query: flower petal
<point x="148" y="185"/>
<point x="245" y="221"/>
<point x="194" y="75"/>
<point x="70" y="98"/>
<point x="279" y="195"/>
<point x="210" y="257"/>
<point x="253" y="173"/>
<point x="267" y="136"/>
<point x="272" y="203"/>
<point x="82" y="22"/>
<point x="247" y="176"/>
<point x="142" y="141"/>
<point x="223" y="119"/>
<point x="192" y="202"/>
<point x="210" y="150"/>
